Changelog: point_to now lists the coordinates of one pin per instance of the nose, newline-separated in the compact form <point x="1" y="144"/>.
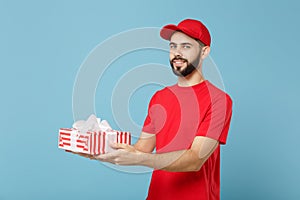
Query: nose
<point x="177" y="52"/>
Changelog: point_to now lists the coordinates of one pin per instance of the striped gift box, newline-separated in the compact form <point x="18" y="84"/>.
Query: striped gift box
<point x="91" y="142"/>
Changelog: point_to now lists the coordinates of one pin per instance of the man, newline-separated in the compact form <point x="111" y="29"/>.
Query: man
<point x="186" y="123"/>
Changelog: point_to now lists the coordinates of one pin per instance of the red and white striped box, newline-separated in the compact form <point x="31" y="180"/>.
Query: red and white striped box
<point x="91" y="142"/>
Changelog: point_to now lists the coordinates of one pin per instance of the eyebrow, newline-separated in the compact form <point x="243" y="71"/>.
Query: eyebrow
<point x="185" y="43"/>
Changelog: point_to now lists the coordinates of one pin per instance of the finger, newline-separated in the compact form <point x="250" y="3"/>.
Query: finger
<point x="102" y="157"/>
<point x="119" y="146"/>
<point x="106" y="157"/>
<point x="114" y="145"/>
<point x="82" y="154"/>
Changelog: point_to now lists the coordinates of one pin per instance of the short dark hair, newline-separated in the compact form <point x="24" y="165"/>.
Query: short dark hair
<point x="200" y="43"/>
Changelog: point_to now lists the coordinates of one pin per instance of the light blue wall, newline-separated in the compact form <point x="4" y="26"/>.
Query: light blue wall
<point x="255" y="45"/>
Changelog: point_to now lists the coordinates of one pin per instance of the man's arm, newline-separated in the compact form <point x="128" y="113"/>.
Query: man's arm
<point x="146" y="142"/>
<point x="185" y="160"/>
<point x="177" y="161"/>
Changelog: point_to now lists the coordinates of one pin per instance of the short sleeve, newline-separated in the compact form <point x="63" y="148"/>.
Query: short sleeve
<point x="217" y="119"/>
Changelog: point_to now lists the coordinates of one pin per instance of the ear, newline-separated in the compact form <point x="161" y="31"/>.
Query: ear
<point x="205" y="52"/>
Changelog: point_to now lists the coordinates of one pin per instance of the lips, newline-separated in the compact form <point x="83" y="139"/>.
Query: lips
<point x="178" y="62"/>
<point x="178" y="59"/>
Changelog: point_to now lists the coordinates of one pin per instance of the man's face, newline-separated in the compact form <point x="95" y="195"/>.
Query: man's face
<point x="184" y="54"/>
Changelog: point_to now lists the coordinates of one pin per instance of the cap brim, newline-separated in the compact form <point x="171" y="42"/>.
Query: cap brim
<point x="167" y="31"/>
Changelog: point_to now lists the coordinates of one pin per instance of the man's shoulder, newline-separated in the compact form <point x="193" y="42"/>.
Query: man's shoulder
<point x="166" y="90"/>
<point x="164" y="93"/>
<point x="216" y="92"/>
<point x="218" y="97"/>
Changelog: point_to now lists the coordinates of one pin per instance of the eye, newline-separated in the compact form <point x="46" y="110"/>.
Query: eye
<point x="186" y="46"/>
<point x="173" y="46"/>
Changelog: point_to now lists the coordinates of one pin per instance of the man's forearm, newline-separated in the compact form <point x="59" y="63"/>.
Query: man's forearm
<point x="177" y="161"/>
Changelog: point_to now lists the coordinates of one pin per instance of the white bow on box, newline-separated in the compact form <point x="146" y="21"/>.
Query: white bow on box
<point x="92" y="124"/>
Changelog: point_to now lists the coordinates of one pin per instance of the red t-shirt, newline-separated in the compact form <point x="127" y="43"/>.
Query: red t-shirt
<point x="177" y="115"/>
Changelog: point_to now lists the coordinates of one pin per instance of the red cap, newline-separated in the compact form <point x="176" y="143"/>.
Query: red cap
<point x="190" y="27"/>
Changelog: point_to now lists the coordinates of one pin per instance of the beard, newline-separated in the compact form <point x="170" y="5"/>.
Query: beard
<point x="191" y="66"/>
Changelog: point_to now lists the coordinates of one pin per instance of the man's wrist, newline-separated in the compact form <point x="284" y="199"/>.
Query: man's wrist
<point x="146" y="159"/>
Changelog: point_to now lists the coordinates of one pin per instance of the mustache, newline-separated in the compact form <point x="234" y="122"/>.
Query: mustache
<point x="179" y="58"/>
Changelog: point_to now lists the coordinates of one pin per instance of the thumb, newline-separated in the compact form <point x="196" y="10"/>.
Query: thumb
<point x="118" y="145"/>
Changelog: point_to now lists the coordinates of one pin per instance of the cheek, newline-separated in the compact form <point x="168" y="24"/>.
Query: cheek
<point x="193" y="57"/>
<point x="171" y="56"/>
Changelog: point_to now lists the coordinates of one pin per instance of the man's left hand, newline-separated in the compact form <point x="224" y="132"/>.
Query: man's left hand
<point x="124" y="155"/>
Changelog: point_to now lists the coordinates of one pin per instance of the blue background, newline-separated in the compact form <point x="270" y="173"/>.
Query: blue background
<point x="43" y="43"/>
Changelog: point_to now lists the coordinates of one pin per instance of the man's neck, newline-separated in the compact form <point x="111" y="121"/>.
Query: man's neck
<point x="192" y="79"/>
